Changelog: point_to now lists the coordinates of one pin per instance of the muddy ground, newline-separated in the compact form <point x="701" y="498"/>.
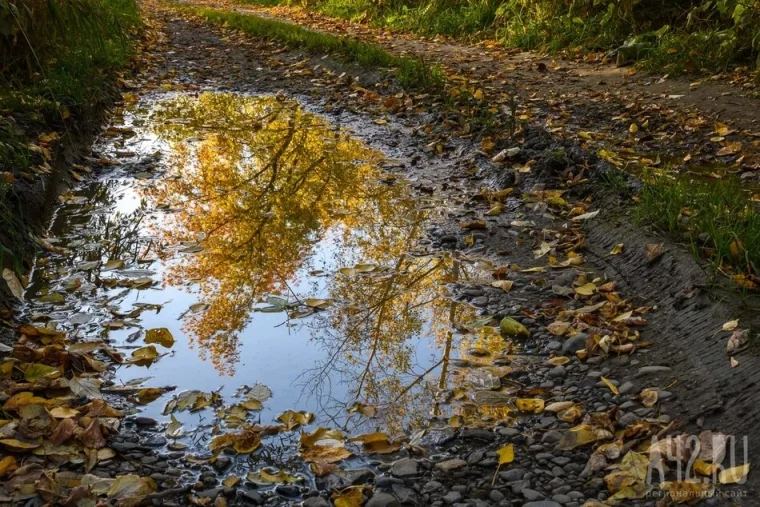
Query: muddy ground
<point x="686" y="361"/>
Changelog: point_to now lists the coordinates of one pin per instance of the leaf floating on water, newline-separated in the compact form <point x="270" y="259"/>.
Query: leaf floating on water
<point x="243" y="442"/>
<point x="266" y="477"/>
<point x="113" y="264"/>
<point x="319" y="304"/>
<point x="376" y="443"/>
<point x="160" y="335"/>
<point x="293" y="420"/>
<point x="258" y="392"/>
<point x="510" y="326"/>
<point x="144" y="356"/>
<point x="325" y="454"/>
<point x="174" y="429"/>
<point x="492" y="398"/>
<point x="149" y="394"/>
<point x="14" y="284"/>
<point x="366" y="410"/>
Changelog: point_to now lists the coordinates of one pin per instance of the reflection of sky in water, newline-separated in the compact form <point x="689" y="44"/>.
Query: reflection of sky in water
<point x="285" y="356"/>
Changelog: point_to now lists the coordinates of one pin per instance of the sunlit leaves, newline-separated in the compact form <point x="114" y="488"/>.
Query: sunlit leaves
<point x="292" y="419"/>
<point x="161" y="336"/>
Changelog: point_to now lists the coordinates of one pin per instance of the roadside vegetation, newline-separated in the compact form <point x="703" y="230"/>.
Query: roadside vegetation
<point x="719" y="219"/>
<point x="410" y="72"/>
<point x="675" y="37"/>
<point x="57" y="59"/>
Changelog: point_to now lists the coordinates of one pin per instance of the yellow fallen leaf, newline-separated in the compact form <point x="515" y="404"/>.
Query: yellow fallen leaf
<point x="733" y="475"/>
<point x="292" y="419"/>
<point x="617" y="249"/>
<point x="649" y="397"/>
<point x="530" y="405"/>
<point x="587" y="289"/>
<point x="510" y="326"/>
<point x="349" y="497"/>
<point x="505" y="285"/>
<point x="730" y="325"/>
<point x="506" y="455"/>
<point x="609" y="384"/>
<point x="160" y="335"/>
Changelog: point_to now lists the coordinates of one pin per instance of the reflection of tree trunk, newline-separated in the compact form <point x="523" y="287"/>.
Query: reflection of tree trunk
<point x="449" y="339"/>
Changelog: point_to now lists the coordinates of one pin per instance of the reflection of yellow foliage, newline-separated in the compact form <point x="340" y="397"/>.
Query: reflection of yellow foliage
<point x="265" y="181"/>
<point x="259" y="185"/>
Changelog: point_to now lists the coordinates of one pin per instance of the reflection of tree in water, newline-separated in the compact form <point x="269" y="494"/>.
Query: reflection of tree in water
<point x="263" y="184"/>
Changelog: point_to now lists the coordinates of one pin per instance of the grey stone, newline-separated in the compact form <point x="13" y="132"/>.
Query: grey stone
<point x="452" y="497"/>
<point x="316" y="501"/>
<point x="575" y="343"/>
<point x="496" y="496"/>
<point x="563" y="499"/>
<point x="515" y="474"/>
<point x="626" y="387"/>
<point x="380" y="499"/>
<point x="253" y="497"/>
<point x="451" y="465"/>
<point x="542" y="503"/>
<point x="406" y="467"/>
<point x="530" y="494"/>
<point x="627" y="419"/>
<point x="341" y="479"/>
<point x="649" y="370"/>
<point x="431" y="486"/>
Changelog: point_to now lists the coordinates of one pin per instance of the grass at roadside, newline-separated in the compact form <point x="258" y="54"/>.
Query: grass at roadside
<point x="683" y="36"/>
<point x="57" y="60"/>
<point x="410" y="72"/>
<point x="718" y="218"/>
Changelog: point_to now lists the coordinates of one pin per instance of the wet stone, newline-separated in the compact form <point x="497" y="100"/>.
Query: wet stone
<point x="452" y="497"/>
<point x="381" y="499"/>
<point x="316" y="501"/>
<point x="451" y="465"/>
<point x="406" y="467"/>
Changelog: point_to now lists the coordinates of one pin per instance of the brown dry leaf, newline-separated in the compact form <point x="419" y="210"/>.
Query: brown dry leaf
<point x="14" y="284"/>
<point x="730" y="149"/>
<point x="366" y="410"/>
<point x="558" y="328"/>
<point x="558" y="360"/>
<point x="655" y="251"/>
<point x="131" y="487"/>
<point x="92" y="437"/>
<point x="611" y="386"/>
<point x="321" y="435"/>
<point x="7" y="464"/>
<point x="243" y="442"/>
<point x="558" y="406"/>
<point x="376" y="443"/>
<point x="64" y="431"/>
<point x="730" y="325"/>
<point x="292" y="419"/>
<point x="160" y="335"/>
<point x="322" y="469"/>
<point x="586" y="290"/>
<point x="349" y="497"/>
<point x="325" y="454"/>
<point x="737" y="341"/>
<point x="649" y="397"/>
<point x="474" y="225"/>
<point x="505" y="285"/>
<point x="265" y="477"/>
<point x="530" y="405"/>
<point x="144" y="356"/>
<point x="571" y="414"/>
<point x="688" y="491"/>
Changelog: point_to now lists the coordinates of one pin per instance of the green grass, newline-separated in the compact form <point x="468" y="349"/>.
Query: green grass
<point x="682" y="36"/>
<point x="718" y="218"/>
<point x="410" y="72"/>
<point x="58" y="61"/>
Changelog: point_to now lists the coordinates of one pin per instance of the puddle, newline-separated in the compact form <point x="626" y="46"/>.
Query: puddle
<point x="283" y="267"/>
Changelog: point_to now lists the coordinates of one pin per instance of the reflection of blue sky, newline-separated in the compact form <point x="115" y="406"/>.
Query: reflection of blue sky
<point x="272" y="351"/>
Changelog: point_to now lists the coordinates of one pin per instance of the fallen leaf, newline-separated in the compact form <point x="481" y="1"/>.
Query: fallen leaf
<point x="511" y="327"/>
<point x="530" y="405"/>
<point x="505" y="285"/>
<point x="609" y="384"/>
<point x="617" y="249"/>
<point x="654" y="251"/>
<point x="730" y="325"/>
<point x="265" y="477"/>
<point x="131" y="487"/>
<point x="14" y="284"/>
<point x="733" y="475"/>
<point x="292" y="419"/>
<point x="160" y="335"/>
<point x="349" y="497"/>
<point x="144" y="356"/>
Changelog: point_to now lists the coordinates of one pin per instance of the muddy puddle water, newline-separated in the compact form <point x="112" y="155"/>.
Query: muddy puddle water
<point x="259" y="261"/>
